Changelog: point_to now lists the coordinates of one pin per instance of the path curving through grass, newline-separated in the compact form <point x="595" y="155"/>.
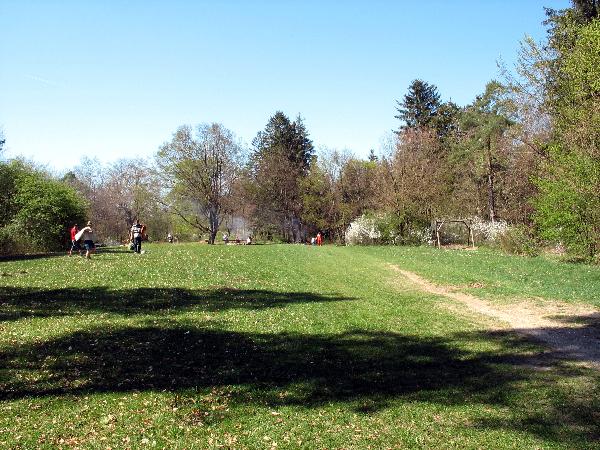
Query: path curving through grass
<point x="282" y="346"/>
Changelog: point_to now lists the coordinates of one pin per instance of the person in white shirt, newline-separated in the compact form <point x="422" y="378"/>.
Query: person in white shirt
<point x="87" y="235"/>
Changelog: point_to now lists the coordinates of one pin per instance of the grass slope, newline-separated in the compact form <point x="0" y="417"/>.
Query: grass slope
<point x="193" y="346"/>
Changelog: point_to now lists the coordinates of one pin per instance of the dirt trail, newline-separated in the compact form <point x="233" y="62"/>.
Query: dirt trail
<point x="572" y="330"/>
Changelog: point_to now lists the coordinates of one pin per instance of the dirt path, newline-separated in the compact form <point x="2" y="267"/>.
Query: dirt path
<point x="572" y="330"/>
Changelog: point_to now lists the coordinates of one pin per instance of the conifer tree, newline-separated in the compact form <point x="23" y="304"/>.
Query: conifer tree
<point x="281" y="159"/>
<point x="419" y="106"/>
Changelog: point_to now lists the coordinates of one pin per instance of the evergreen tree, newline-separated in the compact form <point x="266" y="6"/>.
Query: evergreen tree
<point x="281" y="159"/>
<point x="484" y="123"/>
<point x="445" y="121"/>
<point x="287" y="139"/>
<point x="419" y="106"/>
<point x="588" y="9"/>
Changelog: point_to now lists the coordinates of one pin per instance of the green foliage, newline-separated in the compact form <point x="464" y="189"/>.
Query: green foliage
<point x="40" y="210"/>
<point x="287" y="138"/>
<point x="518" y="240"/>
<point x="390" y="227"/>
<point x="481" y="146"/>
<point x="46" y="209"/>
<point x="446" y="120"/>
<point x="483" y="123"/>
<point x="588" y="9"/>
<point x="582" y="65"/>
<point x="419" y="106"/>
<point x="200" y="168"/>
<point x="395" y="229"/>
<point x="568" y="206"/>
<point x="387" y="229"/>
<point x="281" y="159"/>
<point x="9" y="173"/>
<point x="317" y="199"/>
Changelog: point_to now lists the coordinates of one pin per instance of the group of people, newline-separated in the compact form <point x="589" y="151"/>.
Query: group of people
<point x="87" y="236"/>
<point x="136" y="235"/>
<point x="236" y="240"/>
<point x="318" y="240"/>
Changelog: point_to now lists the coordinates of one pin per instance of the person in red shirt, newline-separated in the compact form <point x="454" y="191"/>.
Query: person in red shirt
<point x="74" y="242"/>
<point x="319" y="239"/>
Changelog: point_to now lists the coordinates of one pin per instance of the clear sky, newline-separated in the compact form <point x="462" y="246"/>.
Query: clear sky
<point x="111" y="79"/>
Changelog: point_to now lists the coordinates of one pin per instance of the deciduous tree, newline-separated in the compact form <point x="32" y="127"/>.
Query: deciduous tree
<point x="199" y="167"/>
<point x="568" y="205"/>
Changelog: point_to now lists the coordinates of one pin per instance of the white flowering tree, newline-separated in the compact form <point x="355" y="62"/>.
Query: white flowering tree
<point x="362" y="231"/>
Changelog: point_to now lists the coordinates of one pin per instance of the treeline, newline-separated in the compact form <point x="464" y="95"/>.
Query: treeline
<point x="525" y="152"/>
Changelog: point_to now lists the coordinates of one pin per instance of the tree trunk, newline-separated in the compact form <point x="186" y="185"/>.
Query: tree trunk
<point x="490" y="183"/>
<point x="213" y="226"/>
<point x="296" y="230"/>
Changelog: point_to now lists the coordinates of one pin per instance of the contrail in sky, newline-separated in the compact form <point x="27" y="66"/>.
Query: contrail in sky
<point x="42" y="80"/>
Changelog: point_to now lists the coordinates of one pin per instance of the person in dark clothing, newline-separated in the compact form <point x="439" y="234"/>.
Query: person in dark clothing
<point x="135" y="235"/>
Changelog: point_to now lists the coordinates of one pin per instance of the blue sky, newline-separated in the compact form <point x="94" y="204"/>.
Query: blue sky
<point x="112" y="79"/>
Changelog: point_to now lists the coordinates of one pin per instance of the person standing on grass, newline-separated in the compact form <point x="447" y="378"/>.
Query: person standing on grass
<point x="319" y="239"/>
<point x="135" y="235"/>
<point x="74" y="242"/>
<point x="87" y="234"/>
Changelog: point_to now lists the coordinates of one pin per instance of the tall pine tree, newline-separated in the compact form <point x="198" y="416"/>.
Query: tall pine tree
<point x="419" y="106"/>
<point x="281" y="159"/>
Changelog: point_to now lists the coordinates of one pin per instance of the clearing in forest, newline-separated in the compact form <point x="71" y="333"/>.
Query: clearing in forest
<point x="264" y="346"/>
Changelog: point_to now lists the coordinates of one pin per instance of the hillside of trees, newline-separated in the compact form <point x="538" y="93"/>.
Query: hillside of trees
<point x="525" y="153"/>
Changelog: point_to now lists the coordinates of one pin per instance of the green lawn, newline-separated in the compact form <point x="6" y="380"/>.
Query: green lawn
<point x="196" y="346"/>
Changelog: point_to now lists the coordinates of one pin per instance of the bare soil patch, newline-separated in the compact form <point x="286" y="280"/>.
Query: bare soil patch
<point x="573" y="330"/>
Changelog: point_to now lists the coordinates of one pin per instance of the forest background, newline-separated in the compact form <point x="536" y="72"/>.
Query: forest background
<point x="521" y="161"/>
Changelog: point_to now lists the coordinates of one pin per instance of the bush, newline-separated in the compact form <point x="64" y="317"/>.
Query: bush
<point x="386" y="229"/>
<point x="488" y="232"/>
<point x="568" y="205"/>
<point x="363" y="231"/>
<point x="517" y="240"/>
<point x="40" y="212"/>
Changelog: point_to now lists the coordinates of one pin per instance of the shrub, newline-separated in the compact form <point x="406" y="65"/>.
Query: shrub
<point x="517" y="240"/>
<point x="363" y="231"/>
<point x="386" y="229"/>
<point x="568" y="205"/>
<point x="488" y="232"/>
<point x="39" y="213"/>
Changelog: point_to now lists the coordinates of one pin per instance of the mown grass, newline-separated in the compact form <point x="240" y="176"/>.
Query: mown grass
<point x="499" y="275"/>
<point x="193" y="346"/>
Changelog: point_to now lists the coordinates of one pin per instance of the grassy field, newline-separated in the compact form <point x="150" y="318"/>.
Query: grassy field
<point x="283" y="346"/>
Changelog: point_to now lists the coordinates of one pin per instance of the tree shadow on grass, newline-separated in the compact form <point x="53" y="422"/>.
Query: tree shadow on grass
<point x="31" y="256"/>
<point x="368" y="370"/>
<point x="18" y="303"/>
<point x="564" y="399"/>
<point x="46" y="255"/>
